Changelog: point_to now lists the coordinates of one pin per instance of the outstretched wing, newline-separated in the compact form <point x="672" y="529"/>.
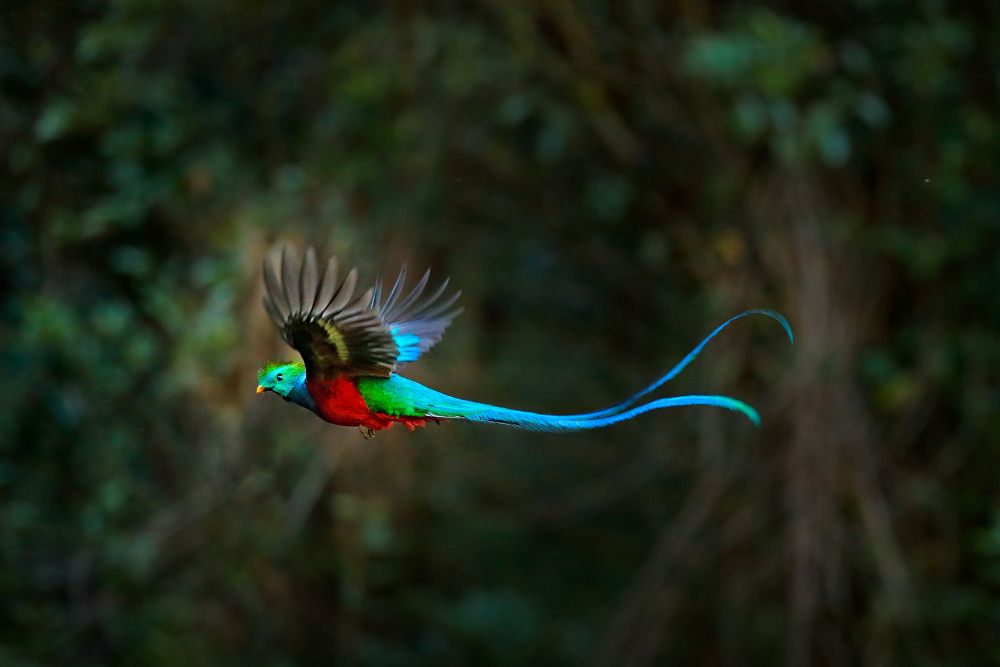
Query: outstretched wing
<point x="415" y="321"/>
<point x="337" y="333"/>
<point x="320" y="317"/>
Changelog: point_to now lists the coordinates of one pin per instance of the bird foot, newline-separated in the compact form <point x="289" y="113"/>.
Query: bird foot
<point x="367" y="432"/>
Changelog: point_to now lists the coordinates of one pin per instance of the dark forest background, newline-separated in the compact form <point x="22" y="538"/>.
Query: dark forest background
<point x="606" y="181"/>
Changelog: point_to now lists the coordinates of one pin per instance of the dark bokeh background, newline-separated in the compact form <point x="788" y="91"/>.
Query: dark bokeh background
<point x="606" y="182"/>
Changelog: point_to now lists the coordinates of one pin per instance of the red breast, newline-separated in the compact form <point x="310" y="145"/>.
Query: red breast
<point x="338" y="401"/>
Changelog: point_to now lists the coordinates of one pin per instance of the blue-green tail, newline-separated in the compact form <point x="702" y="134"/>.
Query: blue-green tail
<point x="685" y="362"/>
<point x="437" y="405"/>
<point x="533" y="421"/>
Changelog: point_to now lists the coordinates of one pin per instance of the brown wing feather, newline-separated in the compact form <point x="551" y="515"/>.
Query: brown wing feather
<point x="334" y="332"/>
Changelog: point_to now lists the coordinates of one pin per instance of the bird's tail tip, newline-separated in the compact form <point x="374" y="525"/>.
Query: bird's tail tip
<point x="739" y="406"/>
<point x="777" y="317"/>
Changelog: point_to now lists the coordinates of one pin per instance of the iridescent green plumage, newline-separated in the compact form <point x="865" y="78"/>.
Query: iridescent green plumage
<point x="272" y="366"/>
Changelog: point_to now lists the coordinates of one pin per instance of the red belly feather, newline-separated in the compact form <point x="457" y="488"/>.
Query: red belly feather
<point x="338" y="401"/>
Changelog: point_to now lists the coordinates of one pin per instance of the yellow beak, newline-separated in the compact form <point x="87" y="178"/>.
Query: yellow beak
<point x="260" y="389"/>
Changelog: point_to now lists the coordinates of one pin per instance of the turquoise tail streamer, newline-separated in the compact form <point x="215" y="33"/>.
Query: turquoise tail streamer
<point x="533" y="421"/>
<point x="685" y="362"/>
<point x="438" y="405"/>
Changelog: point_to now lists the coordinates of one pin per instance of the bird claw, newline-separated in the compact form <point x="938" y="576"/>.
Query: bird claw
<point x="367" y="432"/>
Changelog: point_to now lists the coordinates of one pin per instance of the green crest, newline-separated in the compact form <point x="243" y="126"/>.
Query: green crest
<point x="270" y="366"/>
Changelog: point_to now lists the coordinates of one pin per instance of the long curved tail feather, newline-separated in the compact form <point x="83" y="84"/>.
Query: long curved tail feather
<point x="532" y="421"/>
<point x="684" y="363"/>
<point x="424" y="402"/>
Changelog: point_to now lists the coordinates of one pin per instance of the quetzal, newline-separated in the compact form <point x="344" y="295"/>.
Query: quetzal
<point x="351" y="347"/>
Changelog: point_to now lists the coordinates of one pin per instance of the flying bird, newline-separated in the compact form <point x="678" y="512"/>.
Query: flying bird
<point x="353" y="344"/>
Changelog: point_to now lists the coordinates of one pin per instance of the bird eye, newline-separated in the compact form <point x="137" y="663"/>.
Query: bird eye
<point x="279" y="377"/>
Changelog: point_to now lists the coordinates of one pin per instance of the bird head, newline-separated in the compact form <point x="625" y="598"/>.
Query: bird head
<point x="281" y="377"/>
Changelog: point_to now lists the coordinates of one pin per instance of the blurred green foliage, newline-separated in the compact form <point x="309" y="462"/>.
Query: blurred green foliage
<point x="606" y="181"/>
